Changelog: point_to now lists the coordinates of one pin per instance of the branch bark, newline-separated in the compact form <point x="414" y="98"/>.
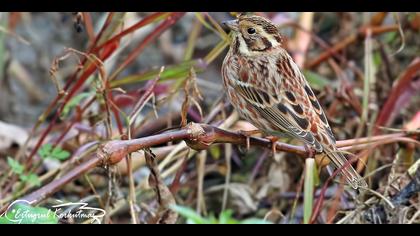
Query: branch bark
<point x="197" y="136"/>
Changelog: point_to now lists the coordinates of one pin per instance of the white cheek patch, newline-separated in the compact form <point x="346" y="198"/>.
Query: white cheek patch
<point x="273" y="41"/>
<point x="243" y="48"/>
<point x="271" y="38"/>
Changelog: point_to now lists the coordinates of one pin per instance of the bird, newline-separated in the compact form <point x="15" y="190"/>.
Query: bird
<point x="267" y="88"/>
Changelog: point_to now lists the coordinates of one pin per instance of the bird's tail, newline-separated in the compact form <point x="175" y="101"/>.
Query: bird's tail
<point x="340" y="162"/>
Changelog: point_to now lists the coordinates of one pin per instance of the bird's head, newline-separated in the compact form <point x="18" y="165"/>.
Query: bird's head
<point x="253" y="35"/>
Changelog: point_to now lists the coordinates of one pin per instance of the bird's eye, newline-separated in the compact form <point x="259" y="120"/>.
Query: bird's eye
<point x="251" y="31"/>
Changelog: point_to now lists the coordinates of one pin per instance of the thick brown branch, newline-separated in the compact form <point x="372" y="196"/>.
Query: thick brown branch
<point x="197" y="136"/>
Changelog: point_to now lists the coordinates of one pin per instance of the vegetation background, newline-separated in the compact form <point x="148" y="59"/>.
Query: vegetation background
<point x="72" y="82"/>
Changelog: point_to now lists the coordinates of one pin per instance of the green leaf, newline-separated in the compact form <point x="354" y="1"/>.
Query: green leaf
<point x="211" y="220"/>
<point x="34" y="180"/>
<point x="215" y="151"/>
<point x="377" y="59"/>
<point x="15" y="166"/>
<point x="26" y="214"/>
<point x="316" y="81"/>
<point x="390" y="37"/>
<point x="177" y="71"/>
<point x="23" y="177"/>
<point x="60" y="154"/>
<point x="18" y="169"/>
<point x="254" y="221"/>
<point x="226" y="217"/>
<point x="45" y="151"/>
<point x="219" y="31"/>
<point x="308" y="195"/>
<point x="76" y="100"/>
<point x="4" y="221"/>
<point x="188" y="213"/>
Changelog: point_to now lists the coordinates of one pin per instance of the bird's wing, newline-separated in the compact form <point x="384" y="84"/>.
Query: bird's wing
<point x="278" y="114"/>
<point x="292" y="107"/>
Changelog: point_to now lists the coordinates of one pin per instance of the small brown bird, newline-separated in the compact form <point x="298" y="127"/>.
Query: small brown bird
<point x="268" y="89"/>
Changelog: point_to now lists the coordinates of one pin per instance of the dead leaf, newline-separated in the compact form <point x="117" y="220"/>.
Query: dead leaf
<point x="241" y="197"/>
<point x="165" y="198"/>
<point x="11" y="134"/>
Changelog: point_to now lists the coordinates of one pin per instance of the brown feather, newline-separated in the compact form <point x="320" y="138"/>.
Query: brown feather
<point x="275" y="94"/>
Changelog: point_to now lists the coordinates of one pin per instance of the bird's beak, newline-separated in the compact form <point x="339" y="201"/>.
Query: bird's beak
<point x="232" y="24"/>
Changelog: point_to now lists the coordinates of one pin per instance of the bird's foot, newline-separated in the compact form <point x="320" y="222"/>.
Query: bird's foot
<point x="248" y="134"/>
<point x="310" y="150"/>
<point x="273" y="140"/>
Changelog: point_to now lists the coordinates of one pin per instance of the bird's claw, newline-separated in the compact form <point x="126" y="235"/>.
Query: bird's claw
<point x="310" y="150"/>
<point x="248" y="134"/>
<point x="273" y="140"/>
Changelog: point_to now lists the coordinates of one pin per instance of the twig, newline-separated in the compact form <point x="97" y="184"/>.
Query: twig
<point x="402" y="84"/>
<point x="302" y="39"/>
<point x="202" y="156"/>
<point x="351" y="39"/>
<point x="378" y="213"/>
<point x="228" y="157"/>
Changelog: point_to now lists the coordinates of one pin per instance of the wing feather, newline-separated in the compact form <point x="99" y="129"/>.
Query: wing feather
<point x="278" y="114"/>
<point x="292" y="106"/>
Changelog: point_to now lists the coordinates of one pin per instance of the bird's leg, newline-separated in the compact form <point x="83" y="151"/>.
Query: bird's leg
<point x="310" y="150"/>
<point x="248" y="134"/>
<point x="273" y="140"/>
